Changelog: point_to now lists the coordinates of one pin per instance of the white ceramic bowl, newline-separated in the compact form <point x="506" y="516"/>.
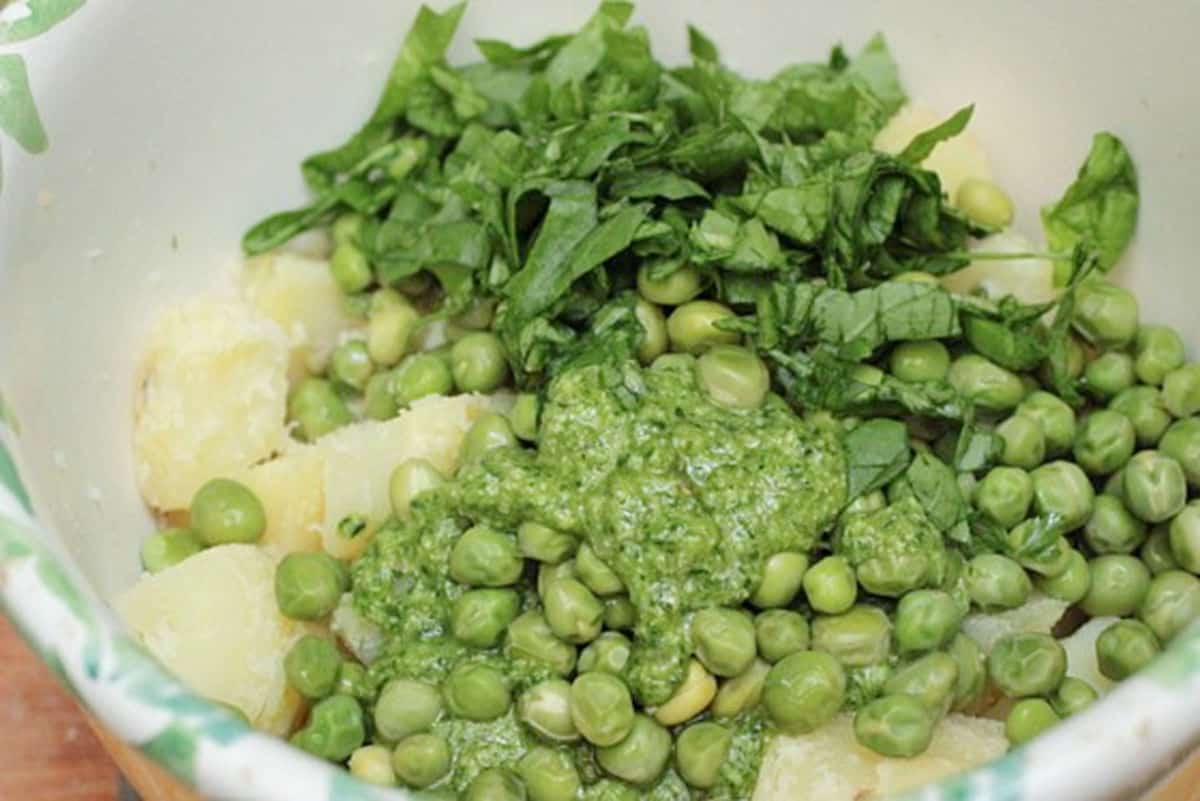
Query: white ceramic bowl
<point x="140" y="139"/>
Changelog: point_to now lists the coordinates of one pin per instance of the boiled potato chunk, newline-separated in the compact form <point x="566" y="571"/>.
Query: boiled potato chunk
<point x="830" y="765"/>
<point x="359" y="459"/>
<point x="300" y="295"/>
<point x="954" y="160"/>
<point x="292" y="491"/>
<point x="1027" y="280"/>
<point x="211" y="398"/>
<point x="212" y="621"/>
<point x="1039" y="614"/>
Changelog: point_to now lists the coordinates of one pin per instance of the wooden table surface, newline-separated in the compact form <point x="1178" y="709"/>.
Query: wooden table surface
<point x="49" y="753"/>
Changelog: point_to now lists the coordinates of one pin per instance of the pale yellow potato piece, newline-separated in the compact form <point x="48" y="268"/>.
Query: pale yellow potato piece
<point x="1027" y="280"/>
<point x="359" y="460"/>
<point x="210" y="399"/>
<point x="300" y="295"/>
<point x="1038" y="614"/>
<point x="292" y="491"/>
<point x="954" y="160"/>
<point x="212" y="621"/>
<point x="830" y="765"/>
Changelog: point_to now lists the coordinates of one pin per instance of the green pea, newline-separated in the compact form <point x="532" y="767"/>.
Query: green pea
<point x="804" y="691"/>
<point x="483" y="557"/>
<point x="573" y="612"/>
<point x="608" y="653"/>
<point x="995" y="581"/>
<point x="311" y="666"/>
<point x="654" y="331"/>
<point x="1072" y="584"/>
<point x="642" y="756"/>
<point x="169" y="547"/>
<point x="1119" y="584"/>
<point x="411" y="478"/>
<point x="1185" y="538"/>
<point x="479" y="363"/>
<point x="390" y="325"/>
<point x="619" y="613"/>
<point x="1109" y="374"/>
<point x="1105" y="314"/>
<point x="1114" y="485"/>
<point x="348" y="227"/>
<point x="406" y="707"/>
<point x="601" y="708"/>
<point x="1023" y="442"/>
<point x="599" y="577"/>
<point x="830" y="585"/>
<point x="1124" y="648"/>
<point x="675" y="361"/>
<point x="476" y="692"/>
<point x="678" y="287"/>
<point x="1144" y="408"/>
<point x="1028" y="718"/>
<point x="495" y="784"/>
<point x="1027" y="664"/>
<point x="545" y="544"/>
<point x="989" y="385"/>
<point x="1105" y="442"/>
<point x="420" y="376"/>
<point x="1181" y="442"/>
<point x="1156" y="553"/>
<point x="931" y="679"/>
<point x="700" y="753"/>
<point x="740" y="693"/>
<point x="378" y="401"/>
<point x="421" y="760"/>
<point x="781" y="580"/>
<point x="1056" y="418"/>
<point x="985" y="203"/>
<point x="546" y="708"/>
<point x="1112" y="529"/>
<point x="225" y="511"/>
<point x="352" y="680"/>
<point x="373" y="764"/>
<point x="1171" y="603"/>
<point x="894" y="726"/>
<point x="780" y="632"/>
<point x="1073" y="696"/>
<point x="972" y="670"/>
<point x="350" y="365"/>
<point x="1004" y="495"/>
<point x="1154" y="487"/>
<point x="1158" y="350"/>
<point x="1181" y="390"/>
<point x="350" y="268"/>
<point x="1061" y="488"/>
<point x="548" y="573"/>
<point x="733" y="376"/>
<point x="309" y="585"/>
<point x="692" y="326"/>
<point x="530" y="637"/>
<point x="549" y="774"/>
<point x="859" y="637"/>
<point x="335" y="729"/>
<point x="480" y="617"/>
<point x="723" y="640"/>
<point x="524" y="417"/>
<point x="926" y="620"/>
<point x="1073" y="361"/>
<point x="920" y="361"/>
<point x="490" y="430"/>
<point x="316" y="409"/>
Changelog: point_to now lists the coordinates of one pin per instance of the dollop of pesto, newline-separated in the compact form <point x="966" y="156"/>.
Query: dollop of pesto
<point x="682" y="498"/>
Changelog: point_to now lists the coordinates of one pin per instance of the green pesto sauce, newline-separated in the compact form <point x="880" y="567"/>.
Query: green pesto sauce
<point x="682" y="498"/>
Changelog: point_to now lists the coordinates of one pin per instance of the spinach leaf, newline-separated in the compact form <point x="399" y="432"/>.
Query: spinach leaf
<point x="656" y="183"/>
<point x="876" y="452"/>
<point x="1099" y="210"/>
<point x="859" y="322"/>
<point x="700" y="46"/>
<point x="923" y="143"/>
<point x="935" y="487"/>
<point x="1014" y="347"/>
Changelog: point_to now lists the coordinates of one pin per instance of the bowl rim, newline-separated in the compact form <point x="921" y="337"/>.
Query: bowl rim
<point x="76" y="635"/>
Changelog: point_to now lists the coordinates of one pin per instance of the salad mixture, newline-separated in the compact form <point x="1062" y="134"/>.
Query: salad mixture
<point x="604" y="430"/>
